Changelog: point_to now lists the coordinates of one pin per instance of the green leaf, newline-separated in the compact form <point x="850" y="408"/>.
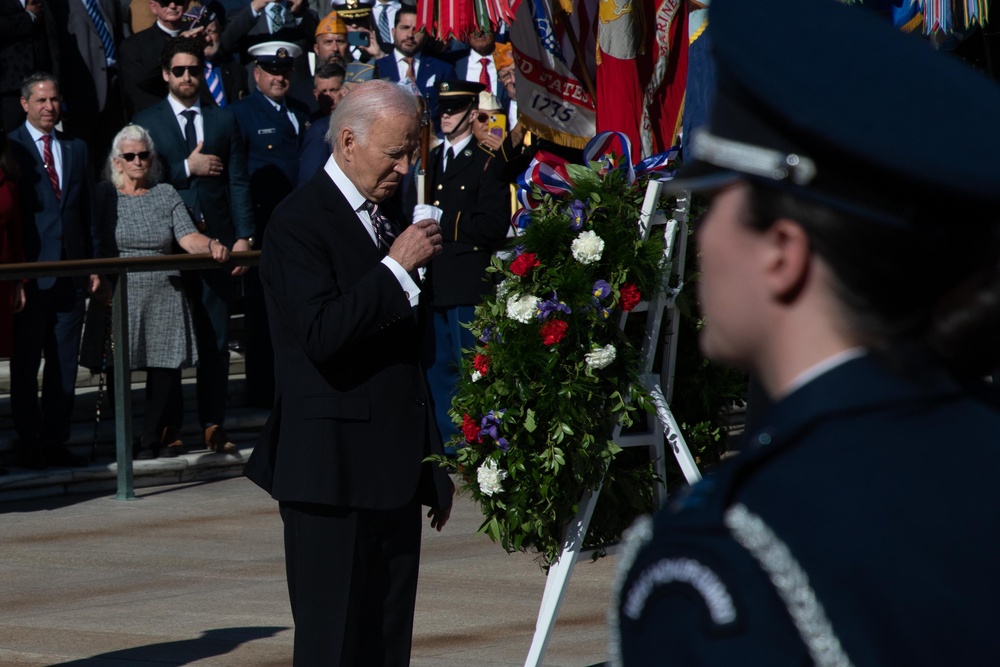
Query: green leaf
<point x="529" y="421"/>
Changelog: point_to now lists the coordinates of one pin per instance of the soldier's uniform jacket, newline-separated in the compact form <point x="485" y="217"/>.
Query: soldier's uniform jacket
<point x="475" y="201"/>
<point x="859" y="527"/>
<point x="272" y="151"/>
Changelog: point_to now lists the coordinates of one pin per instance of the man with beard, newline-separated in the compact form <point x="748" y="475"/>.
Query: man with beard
<point x="204" y="158"/>
<point x="140" y="55"/>
<point x="272" y="124"/>
<point x="408" y="62"/>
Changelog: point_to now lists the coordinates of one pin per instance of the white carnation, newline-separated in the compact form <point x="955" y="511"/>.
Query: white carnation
<point x="490" y="478"/>
<point x="522" y="308"/>
<point x="587" y="247"/>
<point x="601" y="357"/>
<point x="476" y="376"/>
<point x="504" y="288"/>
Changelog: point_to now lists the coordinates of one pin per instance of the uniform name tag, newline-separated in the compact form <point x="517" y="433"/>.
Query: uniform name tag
<point x="269" y="130"/>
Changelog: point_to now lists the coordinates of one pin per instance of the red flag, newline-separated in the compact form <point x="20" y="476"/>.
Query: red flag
<point x="665" y="91"/>
<point x="619" y="92"/>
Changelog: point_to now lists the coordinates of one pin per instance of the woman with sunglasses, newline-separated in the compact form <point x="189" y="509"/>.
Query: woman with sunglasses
<point x="139" y="218"/>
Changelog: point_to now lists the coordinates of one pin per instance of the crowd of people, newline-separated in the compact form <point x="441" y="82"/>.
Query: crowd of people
<point x="131" y="133"/>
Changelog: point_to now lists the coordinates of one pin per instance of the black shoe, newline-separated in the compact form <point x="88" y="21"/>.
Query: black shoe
<point x="60" y="455"/>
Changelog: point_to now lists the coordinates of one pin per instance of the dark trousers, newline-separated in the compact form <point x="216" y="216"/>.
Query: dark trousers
<point x="352" y="583"/>
<point x="210" y="294"/>
<point x="164" y="406"/>
<point x="442" y="376"/>
<point x="49" y="327"/>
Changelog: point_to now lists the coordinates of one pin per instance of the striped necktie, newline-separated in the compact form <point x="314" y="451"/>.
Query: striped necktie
<point x="214" y="82"/>
<point x="382" y="226"/>
<point x="383" y="25"/>
<point x="110" y="54"/>
<point x="50" y="165"/>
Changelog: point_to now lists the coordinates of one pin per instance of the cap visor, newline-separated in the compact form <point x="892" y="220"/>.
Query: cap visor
<point x="701" y="176"/>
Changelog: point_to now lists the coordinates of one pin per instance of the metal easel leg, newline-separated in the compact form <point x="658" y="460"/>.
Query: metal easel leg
<point x="558" y="579"/>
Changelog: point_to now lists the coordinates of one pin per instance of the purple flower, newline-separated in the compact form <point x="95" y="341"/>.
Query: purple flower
<point x="577" y="214"/>
<point x="552" y="306"/>
<point x="487" y="334"/>
<point x="490" y="425"/>
<point x="601" y="289"/>
<point x="518" y="250"/>
<point x="602" y="312"/>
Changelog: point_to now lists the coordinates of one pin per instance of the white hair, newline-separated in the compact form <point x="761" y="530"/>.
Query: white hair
<point x="138" y="134"/>
<point x="375" y="100"/>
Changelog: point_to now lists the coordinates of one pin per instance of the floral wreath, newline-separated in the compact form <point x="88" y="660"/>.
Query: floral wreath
<point x="552" y="372"/>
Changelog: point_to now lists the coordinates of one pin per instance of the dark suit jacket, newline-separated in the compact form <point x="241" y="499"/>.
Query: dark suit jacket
<point x="142" y="76"/>
<point x="55" y="229"/>
<point x="352" y="419"/>
<point x="475" y="200"/>
<point x="315" y="150"/>
<point x="430" y="73"/>
<point x="26" y="45"/>
<point x="272" y="151"/>
<point x="855" y="473"/>
<point x="83" y="65"/>
<point x="224" y="200"/>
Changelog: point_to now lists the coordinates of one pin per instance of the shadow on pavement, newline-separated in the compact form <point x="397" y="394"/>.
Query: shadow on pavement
<point x="181" y="652"/>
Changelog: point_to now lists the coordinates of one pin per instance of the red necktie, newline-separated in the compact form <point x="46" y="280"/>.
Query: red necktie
<point x="409" y="69"/>
<point x="484" y="74"/>
<point x="50" y="165"/>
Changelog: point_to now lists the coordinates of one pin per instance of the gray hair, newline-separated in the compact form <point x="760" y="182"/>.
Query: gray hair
<point x="35" y="79"/>
<point x="375" y="100"/>
<point x="132" y="133"/>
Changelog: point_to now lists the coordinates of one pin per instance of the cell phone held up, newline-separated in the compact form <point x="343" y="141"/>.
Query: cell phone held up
<point x="498" y="124"/>
<point x="356" y="38"/>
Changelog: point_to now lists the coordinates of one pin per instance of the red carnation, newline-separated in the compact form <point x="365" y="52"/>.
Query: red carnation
<point x="552" y="331"/>
<point x="470" y="429"/>
<point x="481" y="363"/>
<point x="524" y="263"/>
<point x="630" y="296"/>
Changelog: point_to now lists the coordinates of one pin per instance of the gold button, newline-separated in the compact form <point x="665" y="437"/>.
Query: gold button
<point x="461" y="187"/>
<point x="437" y="203"/>
<point x="440" y="187"/>
<point x="269" y="147"/>
<point x="407" y="295"/>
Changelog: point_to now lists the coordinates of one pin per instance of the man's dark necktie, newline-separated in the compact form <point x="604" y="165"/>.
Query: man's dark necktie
<point x="449" y="158"/>
<point x="191" y="137"/>
<point x="384" y="233"/>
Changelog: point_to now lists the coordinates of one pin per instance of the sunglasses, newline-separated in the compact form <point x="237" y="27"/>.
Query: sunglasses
<point x="193" y="70"/>
<point x="142" y="155"/>
<point x="483" y="117"/>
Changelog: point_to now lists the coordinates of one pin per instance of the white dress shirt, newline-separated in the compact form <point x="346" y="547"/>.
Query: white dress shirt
<point x="357" y="202"/>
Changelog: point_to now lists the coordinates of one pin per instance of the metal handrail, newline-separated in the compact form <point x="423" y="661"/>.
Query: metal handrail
<point x="122" y="266"/>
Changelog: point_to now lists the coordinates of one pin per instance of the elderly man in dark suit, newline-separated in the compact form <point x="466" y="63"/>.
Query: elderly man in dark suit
<point x="352" y="422"/>
<point x="205" y="160"/>
<point x="56" y="205"/>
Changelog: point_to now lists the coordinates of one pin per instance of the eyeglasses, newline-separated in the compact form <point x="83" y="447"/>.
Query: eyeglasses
<point x="193" y="70"/>
<point x="142" y="155"/>
<point x="483" y="117"/>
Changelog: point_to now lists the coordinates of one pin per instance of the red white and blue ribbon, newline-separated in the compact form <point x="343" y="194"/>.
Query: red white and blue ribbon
<point x="548" y="174"/>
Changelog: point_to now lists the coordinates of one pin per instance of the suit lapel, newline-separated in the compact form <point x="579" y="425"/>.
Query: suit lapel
<point x="169" y="121"/>
<point x="68" y="156"/>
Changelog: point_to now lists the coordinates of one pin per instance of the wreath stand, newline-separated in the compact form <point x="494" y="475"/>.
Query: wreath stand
<point x="662" y="429"/>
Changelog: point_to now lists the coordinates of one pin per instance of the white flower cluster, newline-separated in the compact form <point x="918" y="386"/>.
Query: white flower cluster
<point x="522" y="308"/>
<point x="601" y="357"/>
<point x="476" y="376"/>
<point x="587" y="247"/>
<point x="490" y="478"/>
<point x="503" y="288"/>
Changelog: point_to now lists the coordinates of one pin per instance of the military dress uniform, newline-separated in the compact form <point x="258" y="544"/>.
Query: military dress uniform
<point x="860" y="522"/>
